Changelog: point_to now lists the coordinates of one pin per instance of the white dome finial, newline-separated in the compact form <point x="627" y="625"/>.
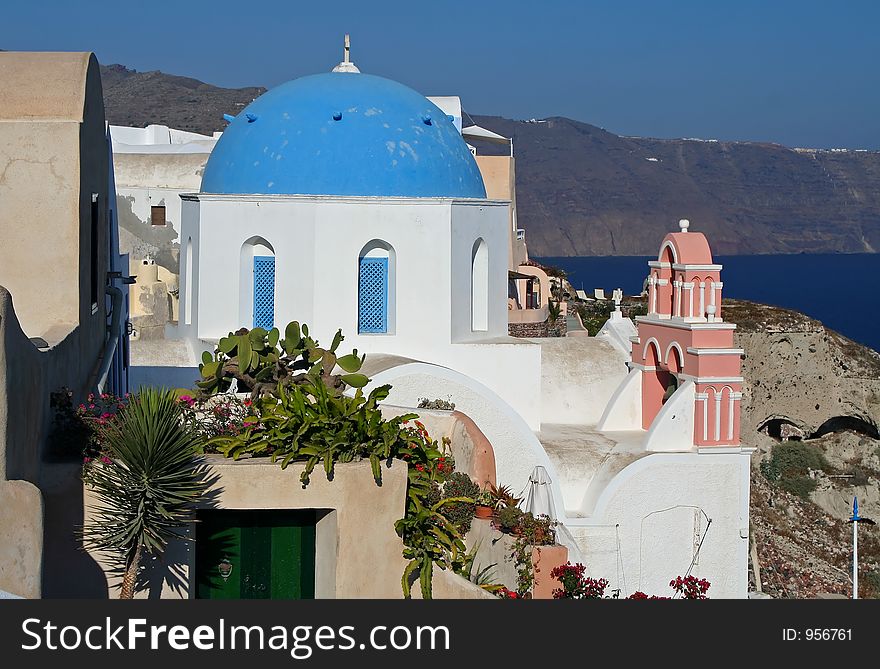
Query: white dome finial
<point x="684" y="224"/>
<point x="346" y="65"/>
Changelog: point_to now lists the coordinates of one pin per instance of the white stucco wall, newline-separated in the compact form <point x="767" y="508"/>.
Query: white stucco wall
<point x="624" y="408"/>
<point x="143" y="198"/>
<point x="649" y="521"/>
<point x="578" y="377"/>
<point x="617" y="331"/>
<point x="673" y="427"/>
<point x="517" y="449"/>
<point x="317" y="243"/>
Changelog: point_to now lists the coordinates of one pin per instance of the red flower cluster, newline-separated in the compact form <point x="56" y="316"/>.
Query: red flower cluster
<point x="443" y="467"/>
<point x="690" y="587"/>
<point x="575" y="585"/>
<point x="638" y="594"/>
<point x="504" y="593"/>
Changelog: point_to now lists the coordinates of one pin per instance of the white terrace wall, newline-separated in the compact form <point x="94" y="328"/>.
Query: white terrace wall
<point x="659" y="505"/>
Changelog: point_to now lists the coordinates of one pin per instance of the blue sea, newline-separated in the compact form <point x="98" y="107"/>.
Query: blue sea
<point x="841" y="290"/>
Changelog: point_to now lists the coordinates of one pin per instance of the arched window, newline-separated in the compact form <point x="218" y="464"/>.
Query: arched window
<point x="257" y="284"/>
<point x="674" y="361"/>
<point x="655" y="383"/>
<point x="480" y="286"/>
<point x="376" y="288"/>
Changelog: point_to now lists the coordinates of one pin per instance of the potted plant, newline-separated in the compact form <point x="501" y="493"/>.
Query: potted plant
<point x="485" y="505"/>
<point x="502" y="497"/>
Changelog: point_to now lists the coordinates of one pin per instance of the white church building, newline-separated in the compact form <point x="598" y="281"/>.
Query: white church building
<point x="346" y="200"/>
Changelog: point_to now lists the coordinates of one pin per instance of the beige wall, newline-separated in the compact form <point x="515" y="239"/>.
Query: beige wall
<point x="23" y="398"/>
<point x="358" y="553"/>
<point x="54" y="154"/>
<point x="21" y="548"/>
<point x="471" y="449"/>
<point x="40" y="222"/>
<point x="367" y="551"/>
<point x="499" y="177"/>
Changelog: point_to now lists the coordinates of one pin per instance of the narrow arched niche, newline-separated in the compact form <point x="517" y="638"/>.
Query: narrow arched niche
<point x="188" y="280"/>
<point x="480" y="286"/>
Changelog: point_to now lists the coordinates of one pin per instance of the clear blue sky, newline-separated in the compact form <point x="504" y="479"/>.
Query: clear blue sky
<point x="803" y="73"/>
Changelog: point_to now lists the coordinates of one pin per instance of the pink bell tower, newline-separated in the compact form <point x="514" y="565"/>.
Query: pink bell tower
<point x="683" y="340"/>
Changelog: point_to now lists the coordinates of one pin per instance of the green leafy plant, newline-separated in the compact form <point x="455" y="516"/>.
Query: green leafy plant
<point x="508" y="519"/>
<point x="789" y="466"/>
<point x="436" y="404"/>
<point x="530" y="531"/>
<point x="307" y="419"/>
<point x="484" y="577"/>
<point x="485" y="498"/>
<point x="147" y="482"/>
<point x="460" y="487"/>
<point x="503" y="497"/>
<point x="595" y="314"/>
<point x="261" y="361"/>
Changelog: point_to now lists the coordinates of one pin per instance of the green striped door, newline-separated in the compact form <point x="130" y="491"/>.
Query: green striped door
<point x="255" y="554"/>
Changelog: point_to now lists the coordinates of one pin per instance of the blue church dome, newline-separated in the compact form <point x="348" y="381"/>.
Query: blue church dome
<point x="343" y="133"/>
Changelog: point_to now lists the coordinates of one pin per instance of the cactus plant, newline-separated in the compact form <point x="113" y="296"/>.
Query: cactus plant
<point x="261" y="361"/>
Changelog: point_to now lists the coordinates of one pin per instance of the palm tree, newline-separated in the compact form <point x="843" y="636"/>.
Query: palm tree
<point x="147" y="485"/>
<point x="554" y="309"/>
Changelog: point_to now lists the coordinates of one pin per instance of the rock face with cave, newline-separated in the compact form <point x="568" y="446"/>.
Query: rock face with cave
<point x="800" y="374"/>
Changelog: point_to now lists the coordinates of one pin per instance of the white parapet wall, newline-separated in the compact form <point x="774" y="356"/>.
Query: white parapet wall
<point x="517" y="449"/>
<point x="651" y="524"/>
<point x="673" y="427"/>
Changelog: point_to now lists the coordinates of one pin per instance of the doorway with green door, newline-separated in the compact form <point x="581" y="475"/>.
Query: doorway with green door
<point x="255" y="554"/>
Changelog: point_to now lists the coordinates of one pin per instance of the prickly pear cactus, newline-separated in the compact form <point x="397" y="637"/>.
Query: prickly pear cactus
<point x="262" y="361"/>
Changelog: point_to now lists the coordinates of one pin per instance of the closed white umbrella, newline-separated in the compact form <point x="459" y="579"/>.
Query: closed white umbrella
<point x="539" y="501"/>
<point x="539" y="497"/>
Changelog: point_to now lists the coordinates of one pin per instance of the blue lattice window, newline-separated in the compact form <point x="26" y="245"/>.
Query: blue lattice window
<point x="373" y="295"/>
<point x="264" y="292"/>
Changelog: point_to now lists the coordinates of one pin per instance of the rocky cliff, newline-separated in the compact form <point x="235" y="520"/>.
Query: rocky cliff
<point x="140" y="98"/>
<point x="812" y="390"/>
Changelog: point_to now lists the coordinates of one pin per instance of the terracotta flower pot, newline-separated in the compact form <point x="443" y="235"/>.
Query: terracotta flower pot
<point x="484" y="512"/>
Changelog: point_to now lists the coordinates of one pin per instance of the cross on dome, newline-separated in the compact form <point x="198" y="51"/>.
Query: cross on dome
<point x="346" y="65"/>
